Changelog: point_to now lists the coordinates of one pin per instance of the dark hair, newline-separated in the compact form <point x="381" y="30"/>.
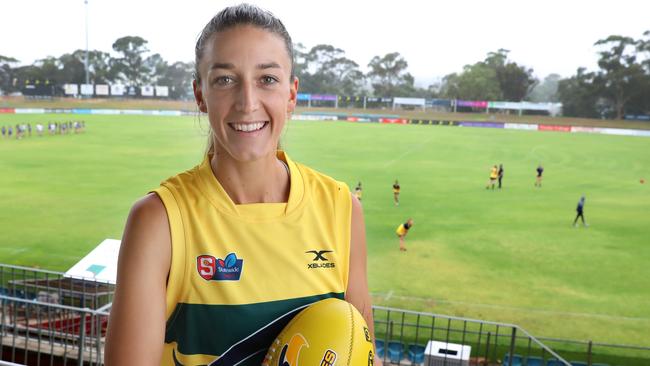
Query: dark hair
<point x="242" y="14"/>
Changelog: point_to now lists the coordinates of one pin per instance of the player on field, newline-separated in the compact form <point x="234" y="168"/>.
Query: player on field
<point x="538" y="178"/>
<point x="396" y="189"/>
<point x="494" y="174"/>
<point x="500" y="174"/>
<point x="216" y="253"/>
<point x="580" y="212"/>
<point x="401" y="232"/>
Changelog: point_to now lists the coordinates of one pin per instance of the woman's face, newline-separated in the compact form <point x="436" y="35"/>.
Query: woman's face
<point x="247" y="91"/>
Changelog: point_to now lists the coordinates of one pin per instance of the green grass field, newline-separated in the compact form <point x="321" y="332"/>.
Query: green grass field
<point x="509" y="255"/>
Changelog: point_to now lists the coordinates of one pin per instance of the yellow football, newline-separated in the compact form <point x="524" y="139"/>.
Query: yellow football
<point x="329" y="332"/>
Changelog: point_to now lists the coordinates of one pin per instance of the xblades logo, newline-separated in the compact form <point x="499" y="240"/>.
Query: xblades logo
<point x="319" y="255"/>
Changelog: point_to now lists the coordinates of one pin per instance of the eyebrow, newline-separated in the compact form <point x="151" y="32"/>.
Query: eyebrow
<point x="229" y="66"/>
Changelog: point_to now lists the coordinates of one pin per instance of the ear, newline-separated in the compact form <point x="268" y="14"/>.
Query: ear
<point x="293" y="95"/>
<point x="198" y="97"/>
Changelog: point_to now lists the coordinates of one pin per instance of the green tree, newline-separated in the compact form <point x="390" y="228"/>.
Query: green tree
<point x="515" y="81"/>
<point x="130" y="67"/>
<point x="325" y="69"/>
<point x="7" y="74"/>
<point x="579" y="95"/>
<point x="157" y="68"/>
<point x="621" y="76"/>
<point x="178" y="77"/>
<point x="546" y="91"/>
<point x="476" y="82"/>
<point x="389" y="77"/>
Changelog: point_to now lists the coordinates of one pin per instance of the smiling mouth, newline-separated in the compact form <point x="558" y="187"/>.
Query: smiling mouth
<point x="248" y="126"/>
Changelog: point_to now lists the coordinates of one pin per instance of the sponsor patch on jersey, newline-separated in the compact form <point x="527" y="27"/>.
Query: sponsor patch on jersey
<point x="217" y="269"/>
<point x="319" y="259"/>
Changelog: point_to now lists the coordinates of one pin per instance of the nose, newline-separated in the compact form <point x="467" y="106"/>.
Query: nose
<point x="248" y="99"/>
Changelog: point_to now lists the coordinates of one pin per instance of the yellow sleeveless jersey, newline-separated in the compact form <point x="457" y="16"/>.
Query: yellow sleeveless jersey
<point x="236" y="268"/>
<point x="401" y="230"/>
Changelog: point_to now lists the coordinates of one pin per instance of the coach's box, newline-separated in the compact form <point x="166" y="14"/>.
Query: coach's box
<point x="446" y="354"/>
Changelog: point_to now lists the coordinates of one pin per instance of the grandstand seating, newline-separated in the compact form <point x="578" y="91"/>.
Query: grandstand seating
<point x="554" y="362"/>
<point x="395" y="351"/>
<point x="379" y="347"/>
<point x="516" y="360"/>
<point x="416" y="353"/>
<point x="534" y="361"/>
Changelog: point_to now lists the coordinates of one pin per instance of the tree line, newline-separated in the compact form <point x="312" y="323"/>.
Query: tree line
<point x="620" y="86"/>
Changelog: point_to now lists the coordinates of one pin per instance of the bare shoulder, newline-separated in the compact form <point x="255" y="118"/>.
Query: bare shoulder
<point x="149" y="210"/>
<point x="137" y="319"/>
<point x="146" y="234"/>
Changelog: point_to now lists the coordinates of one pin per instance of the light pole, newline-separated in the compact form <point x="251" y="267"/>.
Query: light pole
<point x="86" y="58"/>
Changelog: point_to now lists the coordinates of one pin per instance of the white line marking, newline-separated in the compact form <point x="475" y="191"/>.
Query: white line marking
<point x="416" y="147"/>
<point x="515" y="308"/>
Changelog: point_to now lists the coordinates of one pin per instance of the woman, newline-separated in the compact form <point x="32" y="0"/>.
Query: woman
<point x="219" y="251"/>
<point x="396" y="189"/>
<point x="401" y="232"/>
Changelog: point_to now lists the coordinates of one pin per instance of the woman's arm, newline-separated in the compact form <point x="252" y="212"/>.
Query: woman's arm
<point x="357" y="292"/>
<point x="137" y="319"/>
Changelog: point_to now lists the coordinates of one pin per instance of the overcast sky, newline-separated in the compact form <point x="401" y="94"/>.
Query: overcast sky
<point x="435" y="37"/>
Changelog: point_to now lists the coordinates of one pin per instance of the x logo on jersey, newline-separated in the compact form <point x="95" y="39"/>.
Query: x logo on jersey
<point x="319" y="254"/>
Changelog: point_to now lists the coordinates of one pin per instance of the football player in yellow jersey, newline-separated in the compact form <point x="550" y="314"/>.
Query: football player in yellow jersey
<point x="401" y="232"/>
<point x="245" y="83"/>
<point x="494" y="174"/>
<point x="396" y="189"/>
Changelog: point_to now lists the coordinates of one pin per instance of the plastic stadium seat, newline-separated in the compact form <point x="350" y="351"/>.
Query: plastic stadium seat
<point x="577" y="363"/>
<point x="554" y="362"/>
<point x="395" y="351"/>
<point x="379" y="347"/>
<point x="416" y="353"/>
<point x="516" y="360"/>
<point x="534" y="361"/>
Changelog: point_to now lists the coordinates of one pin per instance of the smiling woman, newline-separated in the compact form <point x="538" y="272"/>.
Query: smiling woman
<point x="219" y="256"/>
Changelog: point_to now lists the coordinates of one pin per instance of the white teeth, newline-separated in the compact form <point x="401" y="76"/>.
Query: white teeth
<point x="247" y="127"/>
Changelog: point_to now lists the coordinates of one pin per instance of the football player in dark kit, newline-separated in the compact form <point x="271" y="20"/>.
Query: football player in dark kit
<point x="538" y="179"/>
<point x="500" y="173"/>
<point x="580" y="212"/>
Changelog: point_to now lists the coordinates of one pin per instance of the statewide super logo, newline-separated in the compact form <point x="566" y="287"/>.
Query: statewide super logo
<point x="217" y="269"/>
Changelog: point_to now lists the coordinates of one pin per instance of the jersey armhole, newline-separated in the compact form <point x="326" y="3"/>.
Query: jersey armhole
<point x="177" y="270"/>
<point x="344" y="222"/>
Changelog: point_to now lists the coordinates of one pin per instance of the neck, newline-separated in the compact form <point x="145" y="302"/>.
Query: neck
<point x="265" y="180"/>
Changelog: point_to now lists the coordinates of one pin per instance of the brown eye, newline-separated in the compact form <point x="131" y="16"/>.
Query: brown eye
<point x="223" y="80"/>
<point x="268" y="80"/>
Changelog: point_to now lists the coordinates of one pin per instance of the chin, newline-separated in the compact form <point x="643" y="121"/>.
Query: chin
<point x="250" y="155"/>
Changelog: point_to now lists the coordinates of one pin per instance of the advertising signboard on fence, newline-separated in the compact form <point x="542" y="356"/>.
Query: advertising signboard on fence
<point x="101" y="89"/>
<point x="146" y="91"/>
<point x="117" y="89"/>
<point x="162" y="91"/>
<point x="87" y="89"/>
<point x="71" y="89"/>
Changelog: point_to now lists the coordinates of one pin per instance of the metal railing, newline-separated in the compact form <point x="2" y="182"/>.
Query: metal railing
<point x="404" y="335"/>
<point x="37" y="333"/>
<point x="47" y="318"/>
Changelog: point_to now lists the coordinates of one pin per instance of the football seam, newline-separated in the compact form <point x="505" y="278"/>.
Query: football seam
<point x="351" y="334"/>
